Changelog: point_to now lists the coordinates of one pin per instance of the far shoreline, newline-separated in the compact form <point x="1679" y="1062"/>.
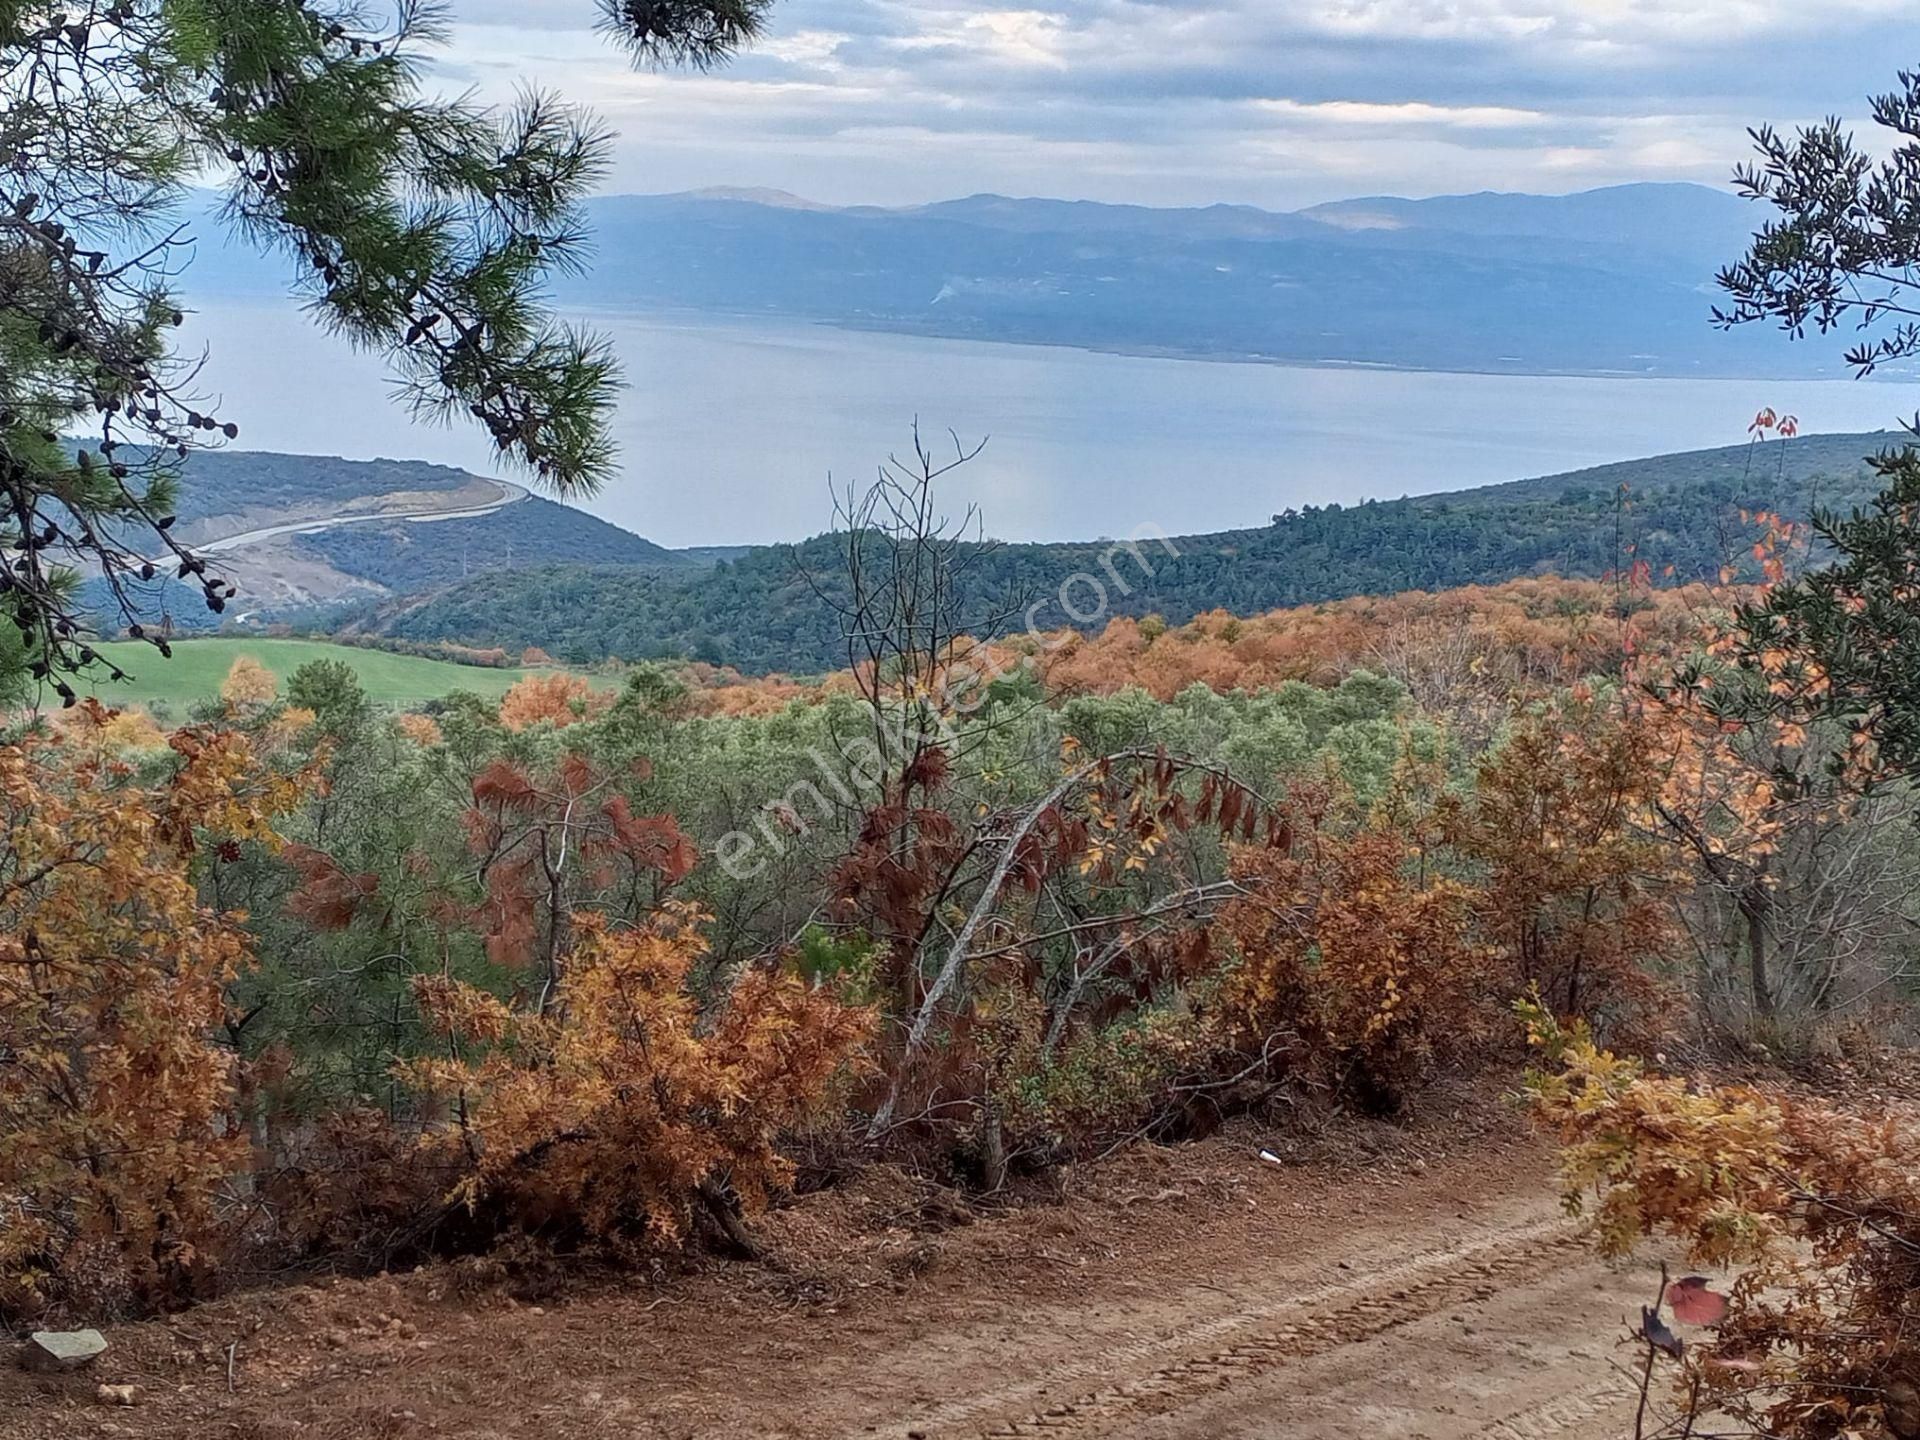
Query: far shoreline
<point x="682" y="315"/>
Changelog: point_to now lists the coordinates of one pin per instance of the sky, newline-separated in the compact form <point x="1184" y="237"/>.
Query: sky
<point x="1279" y="103"/>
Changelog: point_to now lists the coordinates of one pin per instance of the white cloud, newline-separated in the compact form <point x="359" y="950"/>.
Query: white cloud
<point x="1026" y="37"/>
<point x="1276" y="102"/>
<point x="805" y="47"/>
<point x="1600" y="26"/>
<point x="1404" y="113"/>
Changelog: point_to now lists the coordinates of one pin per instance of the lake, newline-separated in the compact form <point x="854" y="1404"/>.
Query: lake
<point x="730" y="429"/>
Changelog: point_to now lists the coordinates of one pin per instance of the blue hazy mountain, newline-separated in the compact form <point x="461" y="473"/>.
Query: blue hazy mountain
<point x="1606" y="281"/>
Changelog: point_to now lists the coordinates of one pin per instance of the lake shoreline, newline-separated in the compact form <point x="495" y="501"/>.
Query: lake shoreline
<point x="730" y="429"/>
<point x="695" y="318"/>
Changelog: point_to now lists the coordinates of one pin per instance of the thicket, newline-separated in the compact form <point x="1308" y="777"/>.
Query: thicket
<point x="580" y="967"/>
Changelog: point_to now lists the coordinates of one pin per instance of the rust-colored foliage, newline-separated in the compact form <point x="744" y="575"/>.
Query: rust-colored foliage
<point x="327" y="897"/>
<point x="1463" y="652"/>
<point x="543" y="841"/>
<point x="898" y="867"/>
<point x="1819" y="1208"/>
<point x="1574" y="890"/>
<point x="1469" y="647"/>
<point x="615" y="1109"/>
<point x="1352" y="947"/>
<point x="557" y="699"/>
<point x="116" y="1128"/>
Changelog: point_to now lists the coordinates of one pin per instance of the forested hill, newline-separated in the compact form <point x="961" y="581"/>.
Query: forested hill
<point x="759" y="613"/>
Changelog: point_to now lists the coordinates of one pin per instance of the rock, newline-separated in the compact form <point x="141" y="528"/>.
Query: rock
<point x="63" y="1349"/>
<point x="117" y="1395"/>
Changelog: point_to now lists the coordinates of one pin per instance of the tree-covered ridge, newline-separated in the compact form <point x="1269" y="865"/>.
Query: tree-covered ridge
<point x="1686" y="517"/>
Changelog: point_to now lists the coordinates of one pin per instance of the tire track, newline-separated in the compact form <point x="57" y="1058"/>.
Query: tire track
<point x="1562" y="1413"/>
<point x="1249" y="1342"/>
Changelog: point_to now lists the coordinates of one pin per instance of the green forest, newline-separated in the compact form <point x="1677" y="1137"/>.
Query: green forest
<point x="1685" y="517"/>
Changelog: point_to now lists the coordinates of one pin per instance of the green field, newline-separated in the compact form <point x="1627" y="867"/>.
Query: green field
<point x="199" y="666"/>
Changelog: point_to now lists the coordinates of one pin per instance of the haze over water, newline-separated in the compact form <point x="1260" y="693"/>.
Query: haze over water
<point x="729" y="429"/>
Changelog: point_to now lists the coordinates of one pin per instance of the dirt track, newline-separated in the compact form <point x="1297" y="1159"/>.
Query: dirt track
<point x="1197" y="1294"/>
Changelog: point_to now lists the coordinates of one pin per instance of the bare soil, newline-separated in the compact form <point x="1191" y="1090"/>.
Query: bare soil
<point x="1414" y="1281"/>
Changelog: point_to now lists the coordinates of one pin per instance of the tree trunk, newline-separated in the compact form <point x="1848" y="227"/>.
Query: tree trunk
<point x="721" y="1211"/>
<point x="1754" y="904"/>
<point x="993" y="1150"/>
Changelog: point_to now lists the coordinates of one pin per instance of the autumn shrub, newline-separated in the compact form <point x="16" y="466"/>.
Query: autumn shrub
<point x="351" y="1188"/>
<point x="1574" y="888"/>
<point x="249" y="688"/>
<point x="1355" y="948"/>
<point x="118" y="1129"/>
<point x="1818" y="1208"/>
<point x="614" y="1111"/>
<point x="422" y="730"/>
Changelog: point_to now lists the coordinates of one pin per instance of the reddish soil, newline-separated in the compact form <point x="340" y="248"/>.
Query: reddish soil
<point x="1416" y="1282"/>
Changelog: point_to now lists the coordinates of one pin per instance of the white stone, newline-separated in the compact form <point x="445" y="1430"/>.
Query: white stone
<point x="63" y="1349"/>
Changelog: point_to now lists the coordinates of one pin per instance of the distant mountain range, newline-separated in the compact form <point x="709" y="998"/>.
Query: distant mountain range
<point x="1616" y="281"/>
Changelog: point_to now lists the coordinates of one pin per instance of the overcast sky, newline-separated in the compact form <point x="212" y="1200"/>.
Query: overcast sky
<point x="1271" y="102"/>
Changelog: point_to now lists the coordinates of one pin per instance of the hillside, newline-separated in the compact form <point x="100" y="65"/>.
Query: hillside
<point x="299" y="532"/>
<point x="408" y="559"/>
<point x="757" y="613"/>
<point x="1606" y="281"/>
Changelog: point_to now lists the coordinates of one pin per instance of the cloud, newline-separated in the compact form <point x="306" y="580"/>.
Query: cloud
<point x="1277" y="102"/>
<point x="1406" y="113"/>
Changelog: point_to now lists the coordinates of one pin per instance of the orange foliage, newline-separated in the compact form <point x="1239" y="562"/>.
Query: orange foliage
<point x="131" y="730"/>
<point x="1473" y="646"/>
<point x="1821" y="1209"/>
<point x="721" y="690"/>
<point x="249" y="686"/>
<point x="1354" y="950"/>
<point x="559" y="700"/>
<point x="616" y="1108"/>
<point x="1574" y="885"/>
<point x="422" y="730"/>
<point x="115" y="1096"/>
<point x="1524" y="634"/>
<point x="289" y="725"/>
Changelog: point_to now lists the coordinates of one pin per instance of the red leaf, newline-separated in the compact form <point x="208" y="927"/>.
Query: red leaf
<point x="1693" y="1303"/>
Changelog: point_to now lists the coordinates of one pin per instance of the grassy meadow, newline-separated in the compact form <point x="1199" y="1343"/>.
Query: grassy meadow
<point x="199" y="666"/>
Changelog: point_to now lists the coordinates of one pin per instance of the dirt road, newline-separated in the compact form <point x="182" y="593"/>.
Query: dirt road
<point x="1197" y="1294"/>
<point x="509" y="494"/>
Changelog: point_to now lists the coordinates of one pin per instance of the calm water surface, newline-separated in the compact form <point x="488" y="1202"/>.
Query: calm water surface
<point x="730" y="429"/>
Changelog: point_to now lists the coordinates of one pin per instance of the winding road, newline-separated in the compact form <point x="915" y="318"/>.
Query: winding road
<point x="510" y="494"/>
